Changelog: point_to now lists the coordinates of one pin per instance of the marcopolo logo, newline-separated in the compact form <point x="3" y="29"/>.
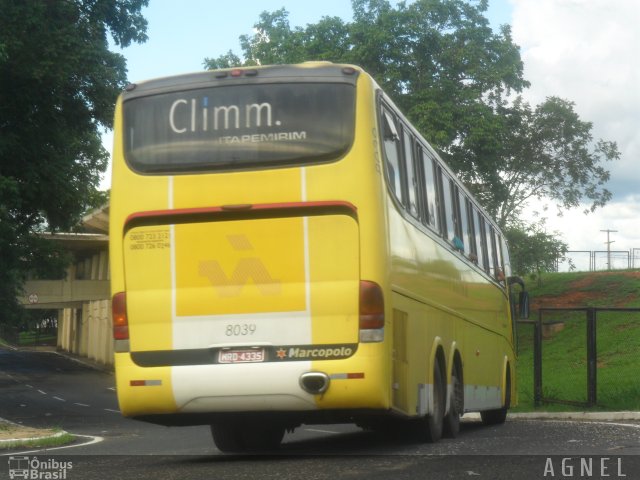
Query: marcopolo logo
<point x="316" y="352"/>
<point x="36" y="469"/>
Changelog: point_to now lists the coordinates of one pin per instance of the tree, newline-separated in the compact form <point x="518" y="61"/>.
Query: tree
<point x="438" y="59"/>
<point x="453" y="76"/>
<point x="534" y="251"/>
<point x="546" y="153"/>
<point x="58" y="85"/>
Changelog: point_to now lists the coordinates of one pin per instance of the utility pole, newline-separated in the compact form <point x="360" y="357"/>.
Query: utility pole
<point x="609" y="242"/>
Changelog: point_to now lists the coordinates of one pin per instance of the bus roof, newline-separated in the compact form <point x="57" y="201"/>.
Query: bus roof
<point x="304" y="72"/>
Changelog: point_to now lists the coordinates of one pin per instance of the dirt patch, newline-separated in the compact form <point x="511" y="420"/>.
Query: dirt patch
<point x="10" y="431"/>
<point x="582" y="292"/>
<point x="573" y="299"/>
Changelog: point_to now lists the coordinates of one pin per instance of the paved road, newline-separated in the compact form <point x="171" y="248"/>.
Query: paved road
<point x="46" y="389"/>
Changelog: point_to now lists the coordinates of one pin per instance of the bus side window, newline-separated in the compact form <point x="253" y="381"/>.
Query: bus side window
<point x="432" y="214"/>
<point x="491" y="258"/>
<point x="496" y="262"/>
<point x="481" y="241"/>
<point x="464" y="223"/>
<point x="473" y="247"/>
<point x="448" y="214"/>
<point x="504" y="255"/>
<point x="502" y="266"/>
<point x="391" y="143"/>
<point x="457" y="241"/>
<point x="409" y="165"/>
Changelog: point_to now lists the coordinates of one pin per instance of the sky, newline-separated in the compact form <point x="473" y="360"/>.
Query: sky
<point x="585" y="51"/>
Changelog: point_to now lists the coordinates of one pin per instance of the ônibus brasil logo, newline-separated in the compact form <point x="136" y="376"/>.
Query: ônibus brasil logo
<point x="36" y="469"/>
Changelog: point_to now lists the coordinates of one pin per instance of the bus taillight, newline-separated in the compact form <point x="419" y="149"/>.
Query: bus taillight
<point x="119" y="312"/>
<point x="371" y="312"/>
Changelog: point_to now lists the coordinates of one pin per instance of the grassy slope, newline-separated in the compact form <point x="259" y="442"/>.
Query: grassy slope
<point x="564" y="352"/>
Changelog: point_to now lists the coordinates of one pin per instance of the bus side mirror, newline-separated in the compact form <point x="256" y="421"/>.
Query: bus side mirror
<point x="523" y="305"/>
<point x="523" y="298"/>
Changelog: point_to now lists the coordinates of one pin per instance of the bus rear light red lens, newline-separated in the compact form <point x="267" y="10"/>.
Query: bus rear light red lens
<point x="371" y="306"/>
<point x="145" y="383"/>
<point x="119" y="314"/>
<point x="236" y="72"/>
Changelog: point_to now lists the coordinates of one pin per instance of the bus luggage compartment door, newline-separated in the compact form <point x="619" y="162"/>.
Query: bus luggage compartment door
<point x="279" y="282"/>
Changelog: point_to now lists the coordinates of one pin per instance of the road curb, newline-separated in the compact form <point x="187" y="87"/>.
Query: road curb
<point x="18" y="442"/>
<point x="567" y="416"/>
<point x="583" y="416"/>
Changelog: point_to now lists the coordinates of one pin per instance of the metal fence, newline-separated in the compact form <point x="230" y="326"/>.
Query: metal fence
<point x="586" y="357"/>
<point x="597" y="260"/>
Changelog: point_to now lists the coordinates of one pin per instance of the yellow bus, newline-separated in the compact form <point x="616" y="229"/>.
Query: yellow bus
<point x="287" y="249"/>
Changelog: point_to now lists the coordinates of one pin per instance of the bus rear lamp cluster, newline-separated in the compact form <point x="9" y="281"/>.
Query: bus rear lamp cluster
<point x="371" y="312"/>
<point x="236" y="72"/>
<point x="315" y="383"/>
<point x="119" y="313"/>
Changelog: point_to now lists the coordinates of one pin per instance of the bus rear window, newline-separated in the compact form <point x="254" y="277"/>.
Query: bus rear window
<point x="240" y="126"/>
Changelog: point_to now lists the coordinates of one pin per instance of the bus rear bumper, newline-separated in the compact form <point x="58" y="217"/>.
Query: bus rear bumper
<point x="252" y="387"/>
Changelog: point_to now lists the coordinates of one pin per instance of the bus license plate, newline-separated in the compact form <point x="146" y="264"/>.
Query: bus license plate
<point x="241" y="356"/>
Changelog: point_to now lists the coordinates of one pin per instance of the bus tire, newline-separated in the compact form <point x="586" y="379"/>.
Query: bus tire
<point x="263" y="438"/>
<point x="456" y="404"/>
<point x="243" y="437"/>
<point x="499" y="416"/>
<point x="227" y="437"/>
<point x="433" y="423"/>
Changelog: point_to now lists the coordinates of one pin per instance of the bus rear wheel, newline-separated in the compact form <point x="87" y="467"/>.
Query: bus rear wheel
<point x="456" y="405"/>
<point x="242" y="437"/>
<point x="499" y="416"/>
<point x="227" y="438"/>
<point x="431" y="426"/>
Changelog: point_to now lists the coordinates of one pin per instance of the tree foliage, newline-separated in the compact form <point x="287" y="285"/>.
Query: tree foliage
<point x="533" y="250"/>
<point x="454" y="77"/>
<point x="544" y="153"/>
<point x="58" y="85"/>
<point x="438" y="59"/>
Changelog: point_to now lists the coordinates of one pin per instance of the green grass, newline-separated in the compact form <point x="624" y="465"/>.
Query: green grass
<point x="564" y="367"/>
<point x="26" y="339"/>
<point x="11" y="433"/>
<point x="51" y="442"/>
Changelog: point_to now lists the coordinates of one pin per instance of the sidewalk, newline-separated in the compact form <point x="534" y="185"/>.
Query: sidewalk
<point x="578" y="416"/>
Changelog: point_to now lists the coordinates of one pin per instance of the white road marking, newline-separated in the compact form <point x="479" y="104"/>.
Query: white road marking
<point x="318" y="430"/>
<point x="111" y="410"/>
<point x="60" y="399"/>
<point x="631" y="425"/>
<point x="43" y="393"/>
<point x="82" y="404"/>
